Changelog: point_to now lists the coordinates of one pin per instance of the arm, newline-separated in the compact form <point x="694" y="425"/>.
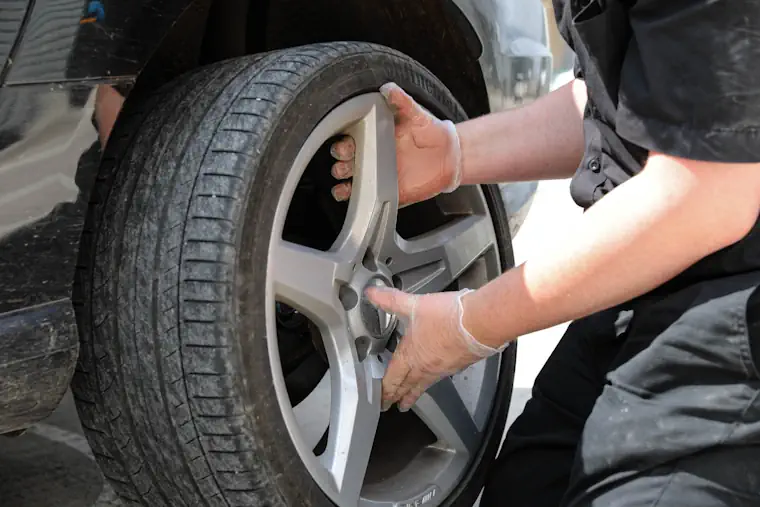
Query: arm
<point x="543" y="140"/>
<point x="638" y="236"/>
<point x="698" y="193"/>
<point x="656" y="222"/>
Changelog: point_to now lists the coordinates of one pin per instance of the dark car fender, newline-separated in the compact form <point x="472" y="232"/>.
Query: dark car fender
<point x="55" y="56"/>
<point x="49" y="156"/>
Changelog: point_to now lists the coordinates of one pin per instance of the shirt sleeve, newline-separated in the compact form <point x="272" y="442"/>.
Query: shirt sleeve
<point x="690" y="84"/>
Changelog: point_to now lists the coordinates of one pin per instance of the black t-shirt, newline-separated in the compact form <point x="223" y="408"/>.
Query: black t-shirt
<point x="678" y="77"/>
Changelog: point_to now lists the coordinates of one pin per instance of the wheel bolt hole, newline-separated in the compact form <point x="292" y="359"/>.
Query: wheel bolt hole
<point x="397" y="282"/>
<point x="348" y="297"/>
<point x="389" y="261"/>
<point x="369" y="262"/>
<point x="362" y="347"/>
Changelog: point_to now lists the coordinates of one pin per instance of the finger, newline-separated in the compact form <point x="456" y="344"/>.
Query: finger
<point x="345" y="149"/>
<point x="413" y="379"/>
<point x="342" y="170"/>
<point x="413" y="374"/>
<point x="392" y="300"/>
<point x="402" y="104"/>
<point x="341" y="191"/>
<point x="394" y="379"/>
<point x="417" y="390"/>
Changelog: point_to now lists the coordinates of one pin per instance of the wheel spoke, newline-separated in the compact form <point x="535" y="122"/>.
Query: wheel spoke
<point x="355" y="412"/>
<point x="371" y="217"/>
<point x="307" y="279"/>
<point x="444" y="412"/>
<point x="429" y="263"/>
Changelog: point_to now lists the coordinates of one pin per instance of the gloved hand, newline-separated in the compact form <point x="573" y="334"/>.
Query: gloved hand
<point x="428" y="155"/>
<point x="435" y="343"/>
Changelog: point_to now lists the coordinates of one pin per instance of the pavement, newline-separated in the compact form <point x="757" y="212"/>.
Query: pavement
<point x="51" y="465"/>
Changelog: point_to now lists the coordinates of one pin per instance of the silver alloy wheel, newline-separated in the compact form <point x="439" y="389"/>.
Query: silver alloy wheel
<point x="327" y="287"/>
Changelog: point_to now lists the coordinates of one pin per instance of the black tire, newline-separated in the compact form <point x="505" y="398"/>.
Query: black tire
<point x="174" y="386"/>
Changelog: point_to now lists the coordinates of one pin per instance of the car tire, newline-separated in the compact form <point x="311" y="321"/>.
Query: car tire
<point x="174" y="387"/>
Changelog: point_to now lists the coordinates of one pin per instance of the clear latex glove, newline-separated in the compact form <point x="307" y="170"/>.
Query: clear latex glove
<point x="428" y="154"/>
<point x="435" y="344"/>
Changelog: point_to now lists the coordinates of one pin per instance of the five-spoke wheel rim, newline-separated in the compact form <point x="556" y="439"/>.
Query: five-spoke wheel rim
<point x="327" y="287"/>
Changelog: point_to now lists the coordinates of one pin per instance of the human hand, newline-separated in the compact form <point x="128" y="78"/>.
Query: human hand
<point x="428" y="155"/>
<point x="435" y="344"/>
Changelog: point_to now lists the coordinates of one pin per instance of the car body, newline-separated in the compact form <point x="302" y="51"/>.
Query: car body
<point x="55" y="54"/>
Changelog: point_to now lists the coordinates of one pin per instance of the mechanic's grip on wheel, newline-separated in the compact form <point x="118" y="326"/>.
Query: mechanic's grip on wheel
<point x="428" y="154"/>
<point x="435" y="342"/>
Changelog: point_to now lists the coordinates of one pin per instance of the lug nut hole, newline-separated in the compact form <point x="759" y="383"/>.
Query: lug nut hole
<point x="369" y="262"/>
<point x="348" y="297"/>
<point x="362" y="347"/>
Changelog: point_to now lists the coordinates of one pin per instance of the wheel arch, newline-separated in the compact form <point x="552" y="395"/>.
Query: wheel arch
<point x="465" y="43"/>
<point x="435" y="33"/>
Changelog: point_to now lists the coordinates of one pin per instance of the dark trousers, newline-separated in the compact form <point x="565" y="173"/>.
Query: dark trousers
<point x="654" y="404"/>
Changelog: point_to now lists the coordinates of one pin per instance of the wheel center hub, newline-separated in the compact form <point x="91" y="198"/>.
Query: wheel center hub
<point x="370" y="326"/>
<point x="378" y="323"/>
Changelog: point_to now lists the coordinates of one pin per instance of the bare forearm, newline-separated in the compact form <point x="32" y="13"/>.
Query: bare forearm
<point x="642" y="234"/>
<point x="543" y="140"/>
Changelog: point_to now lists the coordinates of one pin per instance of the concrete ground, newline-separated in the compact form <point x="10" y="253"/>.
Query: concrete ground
<point x="51" y="465"/>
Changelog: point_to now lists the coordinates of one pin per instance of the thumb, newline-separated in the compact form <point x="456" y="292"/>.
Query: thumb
<point x="392" y="300"/>
<point x="403" y="105"/>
